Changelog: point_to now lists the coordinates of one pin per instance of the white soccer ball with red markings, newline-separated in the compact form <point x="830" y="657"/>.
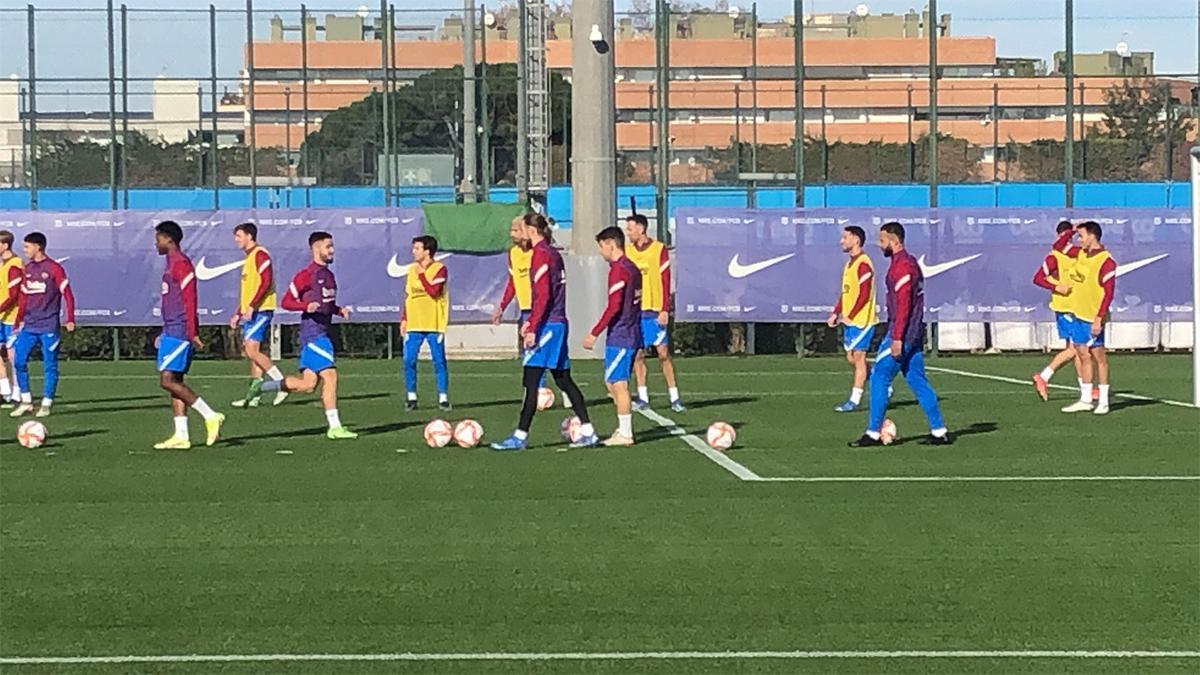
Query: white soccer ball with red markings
<point x="438" y="433"/>
<point x="31" y="434"/>
<point x="570" y="429"/>
<point x="721" y="436"/>
<point x="545" y="398"/>
<point x="887" y="432"/>
<point x="467" y="433"/>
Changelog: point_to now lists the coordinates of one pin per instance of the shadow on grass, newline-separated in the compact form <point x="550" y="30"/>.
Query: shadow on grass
<point x="1123" y="403"/>
<point x="713" y="402"/>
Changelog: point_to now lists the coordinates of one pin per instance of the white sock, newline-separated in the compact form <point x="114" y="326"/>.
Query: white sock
<point x="46" y="403"/>
<point x="412" y="395"/>
<point x="331" y="416"/>
<point x="181" y="427"/>
<point x="1047" y="373"/>
<point x="644" y="393"/>
<point x="856" y="395"/>
<point x="1080" y="381"/>
<point x="443" y="398"/>
<point x="1104" y="394"/>
<point x="26" y="398"/>
<point x="1085" y="392"/>
<point x="275" y="373"/>
<point x="5" y="388"/>
<point x="201" y="407"/>
<point x="587" y="429"/>
<point x="673" y="393"/>
<point x="625" y="425"/>
<point x="873" y="434"/>
<point x="937" y="433"/>
<point x="520" y="435"/>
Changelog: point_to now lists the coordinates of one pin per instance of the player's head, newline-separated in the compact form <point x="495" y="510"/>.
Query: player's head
<point x="423" y="248"/>
<point x="35" y="244"/>
<point x="1063" y="226"/>
<point x="611" y="241"/>
<point x="321" y="245"/>
<point x="245" y="236"/>
<point x="891" y="238"/>
<point x="1090" y="233"/>
<point x="167" y="236"/>
<point x="853" y="239"/>
<point x="635" y="227"/>
<point x="516" y="231"/>
<point x="6" y="241"/>
<point x="537" y="228"/>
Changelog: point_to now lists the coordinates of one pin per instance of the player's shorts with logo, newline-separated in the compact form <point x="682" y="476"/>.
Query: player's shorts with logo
<point x="550" y="349"/>
<point x="1081" y="333"/>
<point x="258" y="326"/>
<point x="317" y="355"/>
<point x="653" y="334"/>
<point x="856" y="338"/>
<point x="8" y="335"/>
<point x="618" y="364"/>
<point x="1063" y="321"/>
<point x="174" y="355"/>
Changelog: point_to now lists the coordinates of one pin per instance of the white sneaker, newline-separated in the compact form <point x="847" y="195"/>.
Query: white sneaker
<point x="1101" y="409"/>
<point x="617" y="440"/>
<point x="21" y="410"/>
<point x="1079" y="406"/>
<point x="566" y="401"/>
<point x="43" y="411"/>
<point x="280" y="397"/>
<point x="243" y="403"/>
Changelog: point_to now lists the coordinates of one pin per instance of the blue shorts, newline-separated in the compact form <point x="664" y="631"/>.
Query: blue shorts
<point x="618" y="363"/>
<point x="550" y="350"/>
<point x="1063" y="321"/>
<point x="8" y="335"/>
<point x="1081" y="333"/>
<point x="653" y="334"/>
<point x="316" y="355"/>
<point x="856" y="339"/>
<point x="174" y="355"/>
<point x="258" y="327"/>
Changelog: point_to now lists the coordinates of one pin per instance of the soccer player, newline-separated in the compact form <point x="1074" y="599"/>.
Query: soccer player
<point x="256" y="308"/>
<point x="181" y="318"/>
<point x="518" y="287"/>
<point x="622" y="320"/>
<point x="654" y="262"/>
<point x="545" y="336"/>
<point x="855" y="309"/>
<point x="44" y="291"/>
<point x="1093" y="286"/>
<point x="1055" y="276"/>
<point x="313" y="291"/>
<point x="11" y="276"/>
<point x="424" y="318"/>
<point x="901" y="352"/>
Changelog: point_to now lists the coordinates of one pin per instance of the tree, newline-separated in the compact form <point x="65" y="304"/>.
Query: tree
<point x="1142" y="124"/>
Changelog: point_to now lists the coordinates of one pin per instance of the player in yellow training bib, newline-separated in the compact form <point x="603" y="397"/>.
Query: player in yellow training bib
<point x="654" y="262"/>
<point x="1093" y="287"/>
<point x="256" y="309"/>
<point x="1055" y="276"/>
<point x="12" y="274"/>
<point x="426" y="314"/>
<point x="855" y="310"/>
<point x="520" y="256"/>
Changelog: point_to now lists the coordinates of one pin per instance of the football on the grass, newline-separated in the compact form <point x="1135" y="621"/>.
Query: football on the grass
<point x="887" y="432"/>
<point x="438" y="433"/>
<point x="31" y="434"/>
<point x="467" y="433"/>
<point x="545" y="398"/>
<point x="570" y="428"/>
<point x="721" y="436"/>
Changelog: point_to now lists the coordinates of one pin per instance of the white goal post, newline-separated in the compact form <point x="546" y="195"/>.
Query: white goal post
<point x="1195" y="164"/>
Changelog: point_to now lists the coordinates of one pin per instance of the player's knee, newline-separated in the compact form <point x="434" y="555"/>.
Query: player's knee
<point x="664" y="353"/>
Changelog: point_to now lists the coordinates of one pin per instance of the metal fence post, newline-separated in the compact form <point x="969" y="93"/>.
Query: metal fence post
<point x="798" y="60"/>
<point x="212" y="82"/>
<point x="31" y="22"/>
<point x="125" y="105"/>
<point x="1069" y="145"/>
<point x="250" y="102"/>
<point x="304" y="96"/>
<point x="932" y="26"/>
<point x="112" y="105"/>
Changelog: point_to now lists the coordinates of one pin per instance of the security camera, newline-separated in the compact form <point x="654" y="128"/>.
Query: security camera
<point x="595" y="35"/>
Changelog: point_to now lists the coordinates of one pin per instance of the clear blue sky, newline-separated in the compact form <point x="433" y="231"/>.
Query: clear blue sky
<point x="73" y="44"/>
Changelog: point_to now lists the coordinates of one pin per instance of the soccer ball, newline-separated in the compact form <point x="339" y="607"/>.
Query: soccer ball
<point x="721" y="436"/>
<point x="570" y="428"/>
<point x="887" y="432"/>
<point x="545" y="398"/>
<point x="467" y="433"/>
<point x="31" y="434"/>
<point x="438" y="433"/>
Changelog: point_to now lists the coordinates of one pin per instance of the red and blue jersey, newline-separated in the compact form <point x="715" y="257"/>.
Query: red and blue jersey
<point x="43" y="293"/>
<point x="548" y="277"/>
<point x="906" y="300"/>
<point x="623" y="313"/>
<point x="314" y="283"/>
<point x="180" y="315"/>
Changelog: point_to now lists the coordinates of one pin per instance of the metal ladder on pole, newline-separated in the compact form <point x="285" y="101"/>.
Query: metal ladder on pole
<point x="537" y="96"/>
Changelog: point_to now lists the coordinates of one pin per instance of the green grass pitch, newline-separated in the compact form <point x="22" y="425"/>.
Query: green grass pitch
<point x="382" y="545"/>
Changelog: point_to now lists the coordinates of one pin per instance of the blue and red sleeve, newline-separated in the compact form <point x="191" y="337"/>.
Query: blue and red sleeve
<point x="293" y="300"/>
<point x="616" y="291"/>
<point x="510" y="292"/>
<point x="1108" y="283"/>
<point x="434" y="286"/>
<point x="539" y="279"/>
<point x="64" y="287"/>
<point x="1048" y="270"/>
<point x="13" y="282"/>
<point x="901" y="289"/>
<point x="266" y="277"/>
<point x="183" y="272"/>
<point x="866" y="277"/>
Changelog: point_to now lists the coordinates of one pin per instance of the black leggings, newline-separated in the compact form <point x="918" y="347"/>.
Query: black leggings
<point x="533" y="378"/>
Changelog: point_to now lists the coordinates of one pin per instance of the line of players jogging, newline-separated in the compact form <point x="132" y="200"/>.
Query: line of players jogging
<point x="36" y="297"/>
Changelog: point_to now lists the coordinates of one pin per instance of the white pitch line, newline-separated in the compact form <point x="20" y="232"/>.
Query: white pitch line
<point x="971" y="479"/>
<point x="1013" y="380"/>
<point x="719" y="458"/>
<point x="603" y="656"/>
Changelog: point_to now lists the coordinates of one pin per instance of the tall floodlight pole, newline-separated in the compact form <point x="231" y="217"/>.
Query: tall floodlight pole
<point x="662" y="174"/>
<point x="593" y="131"/>
<point x="798" y="47"/>
<point x="470" y="153"/>
<point x="523" y="102"/>
<point x="250" y="103"/>
<point x="932" y="26"/>
<point x="1069" y="72"/>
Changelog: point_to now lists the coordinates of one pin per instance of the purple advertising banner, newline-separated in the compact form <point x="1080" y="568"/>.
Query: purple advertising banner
<point x="116" y="272"/>
<point x="784" y="265"/>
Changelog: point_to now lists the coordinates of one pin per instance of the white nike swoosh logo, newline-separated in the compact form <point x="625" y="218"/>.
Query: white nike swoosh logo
<point x="937" y="268"/>
<point x="206" y="273"/>
<point x="397" y="271"/>
<point x="120" y="312"/>
<point x="63" y="259"/>
<point x="1139" y="264"/>
<point x="405" y="221"/>
<point x="740" y="271"/>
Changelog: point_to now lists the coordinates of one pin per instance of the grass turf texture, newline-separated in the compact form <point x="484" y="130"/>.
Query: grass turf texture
<point x="110" y="548"/>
